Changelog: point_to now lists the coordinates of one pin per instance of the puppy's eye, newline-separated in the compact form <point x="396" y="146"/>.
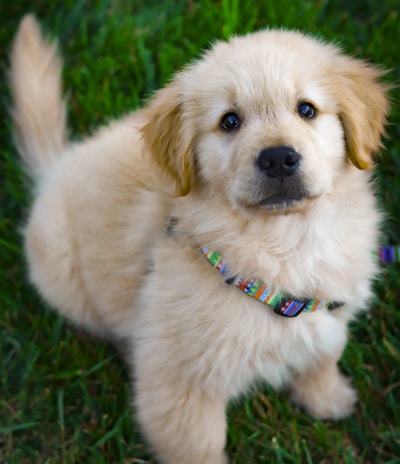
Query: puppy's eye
<point x="306" y="110"/>
<point x="230" y="121"/>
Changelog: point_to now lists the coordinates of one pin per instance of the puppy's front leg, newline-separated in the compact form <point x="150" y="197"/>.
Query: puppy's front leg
<point x="182" y="423"/>
<point x="323" y="391"/>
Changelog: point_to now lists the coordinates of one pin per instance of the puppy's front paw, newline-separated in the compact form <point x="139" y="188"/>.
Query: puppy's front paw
<point x="330" y="397"/>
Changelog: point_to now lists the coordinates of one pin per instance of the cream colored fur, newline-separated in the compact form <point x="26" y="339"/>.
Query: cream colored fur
<point x="98" y="251"/>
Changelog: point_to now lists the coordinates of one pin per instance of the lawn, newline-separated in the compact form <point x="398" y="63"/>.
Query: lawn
<point x="64" y="397"/>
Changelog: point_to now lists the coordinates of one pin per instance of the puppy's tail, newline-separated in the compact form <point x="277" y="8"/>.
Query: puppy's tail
<point x="38" y="110"/>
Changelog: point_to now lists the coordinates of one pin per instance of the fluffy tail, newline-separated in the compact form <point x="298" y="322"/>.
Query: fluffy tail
<point x="38" y="110"/>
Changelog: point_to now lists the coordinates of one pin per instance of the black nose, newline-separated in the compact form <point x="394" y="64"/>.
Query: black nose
<point x="279" y="161"/>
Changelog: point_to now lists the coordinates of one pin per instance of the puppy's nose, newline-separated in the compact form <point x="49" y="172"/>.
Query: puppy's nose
<point x="278" y="161"/>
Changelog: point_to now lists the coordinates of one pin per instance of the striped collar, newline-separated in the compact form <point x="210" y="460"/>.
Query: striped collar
<point x="282" y="304"/>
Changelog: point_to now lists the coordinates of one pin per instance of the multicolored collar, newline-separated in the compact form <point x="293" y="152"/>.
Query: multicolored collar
<point x="282" y="304"/>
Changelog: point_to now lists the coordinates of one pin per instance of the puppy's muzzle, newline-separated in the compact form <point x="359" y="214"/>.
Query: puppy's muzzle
<point x="281" y="161"/>
<point x="280" y="182"/>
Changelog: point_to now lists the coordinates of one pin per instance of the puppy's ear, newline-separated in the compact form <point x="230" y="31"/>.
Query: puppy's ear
<point x="363" y="109"/>
<point x="168" y="136"/>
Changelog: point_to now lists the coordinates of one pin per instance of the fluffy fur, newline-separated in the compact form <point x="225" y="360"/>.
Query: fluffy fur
<point x="98" y="250"/>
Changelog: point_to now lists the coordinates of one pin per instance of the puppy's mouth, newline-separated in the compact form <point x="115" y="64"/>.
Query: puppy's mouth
<point x="285" y="197"/>
<point x="282" y="200"/>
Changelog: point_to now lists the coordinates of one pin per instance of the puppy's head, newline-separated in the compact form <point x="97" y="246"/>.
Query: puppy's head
<point x="268" y="121"/>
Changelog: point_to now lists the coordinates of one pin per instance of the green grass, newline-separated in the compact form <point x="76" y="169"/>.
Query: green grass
<point x="64" y="397"/>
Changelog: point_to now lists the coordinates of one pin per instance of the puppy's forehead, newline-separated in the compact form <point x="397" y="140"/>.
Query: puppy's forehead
<point x="263" y="68"/>
<point x="280" y="50"/>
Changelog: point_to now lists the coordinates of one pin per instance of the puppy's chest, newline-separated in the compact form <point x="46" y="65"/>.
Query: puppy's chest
<point x="277" y="346"/>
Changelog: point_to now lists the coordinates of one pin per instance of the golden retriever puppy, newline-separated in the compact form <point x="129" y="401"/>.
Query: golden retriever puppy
<point x="196" y="228"/>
